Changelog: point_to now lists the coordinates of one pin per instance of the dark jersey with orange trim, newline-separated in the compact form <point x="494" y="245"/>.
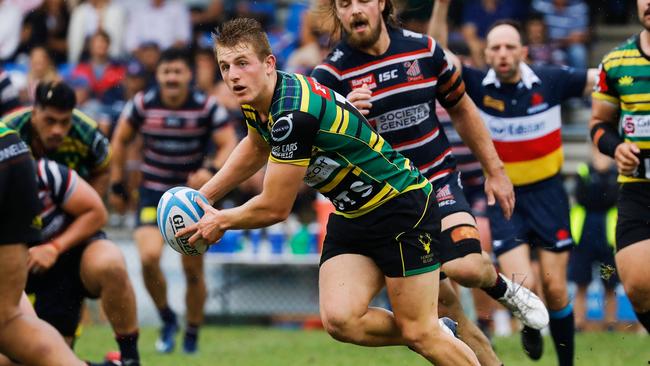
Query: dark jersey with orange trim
<point x="405" y="82"/>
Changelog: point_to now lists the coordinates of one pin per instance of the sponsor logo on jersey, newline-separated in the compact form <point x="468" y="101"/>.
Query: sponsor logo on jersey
<point x="636" y="126"/>
<point x="336" y="55"/>
<point x="282" y="128"/>
<point x="368" y="79"/>
<point x="320" y="170"/>
<point x="284" y="152"/>
<point x="13" y="150"/>
<point x="413" y="71"/>
<point x="494" y="103"/>
<point x="318" y="88"/>
<point x="401" y="118"/>
<point x="501" y="128"/>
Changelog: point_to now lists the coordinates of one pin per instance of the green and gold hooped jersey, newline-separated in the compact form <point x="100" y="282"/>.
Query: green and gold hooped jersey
<point x="624" y="79"/>
<point x="311" y="125"/>
<point x="85" y="149"/>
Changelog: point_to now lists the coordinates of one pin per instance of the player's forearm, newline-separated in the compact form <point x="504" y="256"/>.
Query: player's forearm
<point x="118" y="161"/>
<point x="438" y="27"/>
<point x="256" y="213"/>
<point x="244" y="161"/>
<point x="469" y="124"/>
<point x="100" y="182"/>
<point x="81" y="229"/>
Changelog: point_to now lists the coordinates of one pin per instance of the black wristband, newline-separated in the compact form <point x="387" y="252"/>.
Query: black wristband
<point x="120" y="189"/>
<point x="606" y="138"/>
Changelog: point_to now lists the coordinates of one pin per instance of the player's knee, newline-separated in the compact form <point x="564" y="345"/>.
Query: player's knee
<point x="150" y="261"/>
<point x="638" y="291"/>
<point x="417" y="333"/>
<point x="340" y="325"/>
<point x="556" y="293"/>
<point x="194" y="277"/>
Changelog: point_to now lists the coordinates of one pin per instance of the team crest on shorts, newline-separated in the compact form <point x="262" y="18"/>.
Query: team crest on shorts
<point x="425" y="240"/>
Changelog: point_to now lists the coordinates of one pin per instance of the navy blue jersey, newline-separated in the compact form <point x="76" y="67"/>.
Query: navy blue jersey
<point x="466" y="163"/>
<point x="175" y="140"/>
<point x="524" y="119"/>
<point x="56" y="183"/>
<point x="405" y="82"/>
<point x="8" y="94"/>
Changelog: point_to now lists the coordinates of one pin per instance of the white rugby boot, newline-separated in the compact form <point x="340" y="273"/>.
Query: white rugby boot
<point x="524" y="305"/>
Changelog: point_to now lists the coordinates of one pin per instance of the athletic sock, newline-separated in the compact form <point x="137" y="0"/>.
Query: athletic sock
<point x="644" y="318"/>
<point x="498" y="290"/>
<point x="563" y="332"/>
<point x="128" y="344"/>
<point x="167" y="315"/>
<point x="192" y="331"/>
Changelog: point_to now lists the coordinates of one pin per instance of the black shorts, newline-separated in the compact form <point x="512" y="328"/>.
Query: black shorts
<point x="19" y="216"/>
<point x="633" y="214"/>
<point x="59" y="292"/>
<point x="402" y="236"/>
<point x="147" y="205"/>
<point x="592" y="247"/>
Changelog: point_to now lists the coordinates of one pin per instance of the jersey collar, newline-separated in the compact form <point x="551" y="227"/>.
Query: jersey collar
<point x="528" y="77"/>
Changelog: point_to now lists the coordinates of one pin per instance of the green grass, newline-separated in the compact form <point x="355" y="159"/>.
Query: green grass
<point x="242" y="346"/>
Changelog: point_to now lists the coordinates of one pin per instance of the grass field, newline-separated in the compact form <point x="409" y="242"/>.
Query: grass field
<point x="243" y="346"/>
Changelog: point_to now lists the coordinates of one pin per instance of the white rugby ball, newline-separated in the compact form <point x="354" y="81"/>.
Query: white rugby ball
<point x="177" y="210"/>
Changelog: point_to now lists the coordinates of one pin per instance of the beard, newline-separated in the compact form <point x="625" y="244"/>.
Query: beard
<point x="364" y="41"/>
<point x="645" y="23"/>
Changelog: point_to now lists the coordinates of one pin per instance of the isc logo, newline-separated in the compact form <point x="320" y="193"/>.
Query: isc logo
<point x="388" y="75"/>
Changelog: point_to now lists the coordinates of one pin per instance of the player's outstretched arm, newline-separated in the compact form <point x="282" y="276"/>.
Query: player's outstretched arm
<point x="281" y="185"/>
<point x="246" y="159"/>
<point x="467" y="121"/>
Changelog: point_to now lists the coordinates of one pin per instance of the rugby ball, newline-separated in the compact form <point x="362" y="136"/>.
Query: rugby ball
<point x="177" y="210"/>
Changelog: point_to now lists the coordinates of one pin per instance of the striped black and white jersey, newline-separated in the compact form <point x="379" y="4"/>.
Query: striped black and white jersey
<point x="405" y="81"/>
<point x="175" y="140"/>
<point x="56" y="183"/>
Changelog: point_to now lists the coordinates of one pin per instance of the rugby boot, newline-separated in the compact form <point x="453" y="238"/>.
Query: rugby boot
<point x="167" y="339"/>
<point x="533" y="343"/>
<point x="524" y="305"/>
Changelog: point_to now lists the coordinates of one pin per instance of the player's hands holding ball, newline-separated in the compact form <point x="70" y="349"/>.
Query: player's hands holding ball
<point x="207" y="228"/>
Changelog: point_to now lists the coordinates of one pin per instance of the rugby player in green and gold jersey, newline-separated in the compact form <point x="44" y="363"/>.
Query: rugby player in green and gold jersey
<point x="620" y="128"/>
<point x="386" y="226"/>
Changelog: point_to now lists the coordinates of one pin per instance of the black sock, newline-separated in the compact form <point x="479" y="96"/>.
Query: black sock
<point x="644" y="318"/>
<point x="167" y="315"/>
<point x="128" y="344"/>
<point x="498" y="290"/>
<point x="192" y="331"/>
<point x="563" y="332"/>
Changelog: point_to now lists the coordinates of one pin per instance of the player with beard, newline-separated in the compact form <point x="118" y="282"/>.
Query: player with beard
<point x="619" y="128"/>
<point x="394" y="76"/>
<point x="521" y="106"/>
<point x="177" y="122"/>
<point x="385" y="229"/>
<point x="63" y="270"/>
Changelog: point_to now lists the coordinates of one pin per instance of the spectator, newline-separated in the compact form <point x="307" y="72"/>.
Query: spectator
<point x="101" y="72"/>
<point x="114" y="99"/>
<point x="593" y="222"/>
<point x="205" y="70"/>
<point x="540" y="50"/>
<point x="148" y="54"/>
<point x="567" y="22"/>
<point x="89" y="17"/>
<point x="47" y="26"/>
<point x="25" y="6"/>
<point x="9" y="29"/>
<point x="165" y="22"/>
<point x="86" y="103"/>
<point x="41" y="68"/>
<point x="8" y="94"/>
<point x="205" y="15"/>
<point x="479" y="15"/>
